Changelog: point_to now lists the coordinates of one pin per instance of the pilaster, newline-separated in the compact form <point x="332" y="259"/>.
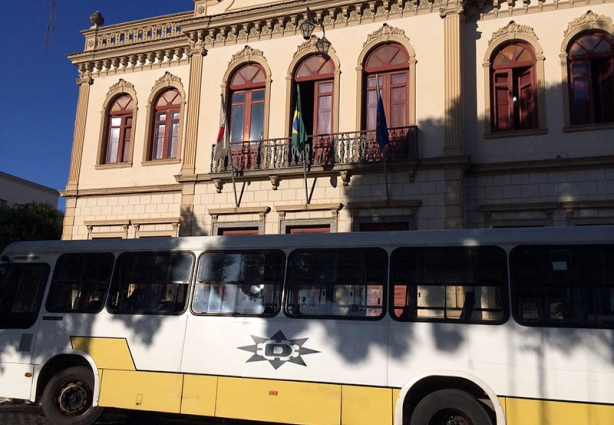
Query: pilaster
<point x="453" y="18"/>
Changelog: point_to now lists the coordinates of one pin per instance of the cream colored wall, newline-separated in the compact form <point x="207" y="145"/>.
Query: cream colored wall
<point x="137" y="174"/>
<point x="549" y="28"/>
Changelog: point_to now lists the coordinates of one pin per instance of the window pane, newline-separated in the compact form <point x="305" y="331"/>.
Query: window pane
<point x="159" y="145"/>
<point x="113" y="145"/>
<point x="174" y="140"/>
<point x="238" y="97"/>
<point x="336" y="283"/>
<point x="116" y="122"/>
<point x="150" y="283"/>
<point x="449" y="284"/>
<point x="258" y="96"/>
<point x="569" y="286"/>
<point x="21" y="294"/>
<point x="175" y="115"/>
<point x="239" y="283"/>
<point x="236" y="123"/>
<point x="257" y="124"/>
<point x="80" y="283"/>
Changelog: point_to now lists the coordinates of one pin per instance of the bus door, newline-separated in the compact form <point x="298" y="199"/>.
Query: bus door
<point x="22" y="286"/>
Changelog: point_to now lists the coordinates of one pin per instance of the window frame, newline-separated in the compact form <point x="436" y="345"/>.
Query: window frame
<point x="408" y="310"/>
<point x="331" y="288"/>
<point x="118" y="300"/>
<point x="596" y="94"/>
<point x="277" y="292"/>
<point x="125" y="137"/>
<point x="248" y="89"/>
<point x="168" y="124"/>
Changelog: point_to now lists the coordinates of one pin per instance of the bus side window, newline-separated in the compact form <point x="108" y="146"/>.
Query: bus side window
<point x="21" y="289"/>
<point x="239" y="283"/>
<point x="80" y="283"/>
<point x="449" y="284"/>
<point x="151" y="283"/>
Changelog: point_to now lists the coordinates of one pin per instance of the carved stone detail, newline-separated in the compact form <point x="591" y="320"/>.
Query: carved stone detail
<point x="385" y="31"/>
<point x="345" y="177"/>
<point x="274" y="182"/>
<point x="512" y="28"/>
<point x="121" y="86"/>
<point x="246" y="54"/>
<point x="218" y="184"/>
<point x="589" y="18"/>
<point x="167" y="79"/>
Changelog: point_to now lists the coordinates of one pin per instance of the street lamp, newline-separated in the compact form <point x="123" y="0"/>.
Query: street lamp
<point x="307" y="27"/>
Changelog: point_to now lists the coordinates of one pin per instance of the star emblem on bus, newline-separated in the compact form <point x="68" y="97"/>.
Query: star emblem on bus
<point x="278" y="350"/>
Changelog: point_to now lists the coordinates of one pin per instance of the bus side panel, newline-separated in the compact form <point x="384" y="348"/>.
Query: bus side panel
<point x="366" y="406"/>
<point x="279" y="401"/>
<point x="199" y="395"/>
<point x="13" y="380"/>
<point x="160" y="392"/>
<point x="520" y="411"/>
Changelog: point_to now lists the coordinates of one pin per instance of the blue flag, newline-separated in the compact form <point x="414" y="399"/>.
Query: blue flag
<point x="299" y="134"/>
<point x="381" y="127"/>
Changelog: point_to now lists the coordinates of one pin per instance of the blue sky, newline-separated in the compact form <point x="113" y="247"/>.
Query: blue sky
<point x="38" y="98"/>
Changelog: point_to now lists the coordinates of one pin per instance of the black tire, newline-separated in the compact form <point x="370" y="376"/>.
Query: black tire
<point x="449" y="407"/>
<point x="67" y="398"/>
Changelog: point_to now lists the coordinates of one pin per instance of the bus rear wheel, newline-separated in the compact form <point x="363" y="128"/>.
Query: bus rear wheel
<point x="449" y="407"/>
<point x="67" y="398"/>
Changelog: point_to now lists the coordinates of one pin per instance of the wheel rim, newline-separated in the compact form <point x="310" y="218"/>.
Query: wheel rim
<point x="449" y="417"/>
<point x="74" y="398"/>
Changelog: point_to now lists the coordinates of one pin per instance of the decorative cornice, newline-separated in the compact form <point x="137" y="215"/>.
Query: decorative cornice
<point x="590" y="19"/>
<point x="385" y="31"/>
<point x="246" y="54"/>
<point x="512" y="29"/>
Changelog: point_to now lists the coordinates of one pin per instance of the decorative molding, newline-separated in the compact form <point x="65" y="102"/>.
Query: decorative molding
<point x="385" y="31"/>
<point x="589" y="19"/>
<point x="238" y="210"/>
<point x="167" y="80"/>
<point x="246" y="54"/>
<point x="345" y="177"/>
<point x="333" y="207"/>
<point x="274" y="181"/>
<point x="512" y="29"/>
<point x="122" y="86"/>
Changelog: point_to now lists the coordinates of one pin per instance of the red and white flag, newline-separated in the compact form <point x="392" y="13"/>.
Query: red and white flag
<point x="221" y="146"/>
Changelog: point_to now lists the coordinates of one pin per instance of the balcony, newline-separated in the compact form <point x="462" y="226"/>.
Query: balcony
<point x="339" y="151"/>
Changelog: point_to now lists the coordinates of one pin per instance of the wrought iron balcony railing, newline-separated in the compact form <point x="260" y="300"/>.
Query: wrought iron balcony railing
<point x="328" y="150"/>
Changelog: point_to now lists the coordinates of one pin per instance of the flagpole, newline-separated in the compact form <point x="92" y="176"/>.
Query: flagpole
<point x="381" y="135"/>
<point x="228" y="152"/>
<point x="305" y="174"/>
<point x="385" y="174"/>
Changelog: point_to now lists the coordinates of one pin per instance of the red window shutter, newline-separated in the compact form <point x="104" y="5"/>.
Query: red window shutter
<point x="527" y="99"/>
<point x="502" y="117"/>
<point x="580" y="101"/>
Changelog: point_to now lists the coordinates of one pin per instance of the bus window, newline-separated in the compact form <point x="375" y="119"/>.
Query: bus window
<point x="80" y="283"/>
<point x="21" y="294"/>
<point x="449" y="284"/>
<point x="239" y="283"/>
<point x="569" y="286"/>
<point x="150" y="283"/>
<point x="345" y="283"/>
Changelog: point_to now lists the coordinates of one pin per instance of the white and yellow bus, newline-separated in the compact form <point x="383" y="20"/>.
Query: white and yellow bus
<point x="471" y="327"/>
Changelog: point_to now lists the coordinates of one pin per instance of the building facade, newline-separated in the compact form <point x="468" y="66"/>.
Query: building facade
<point x="15" y="191"/>
<point x="498" y="114"/>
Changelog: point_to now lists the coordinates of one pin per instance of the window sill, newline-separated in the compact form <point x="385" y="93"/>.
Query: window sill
<point x="112" y="166"/>
<point x="588" y="127"/>
<point x="160" y="162"/>
<point x="516" y="133"/>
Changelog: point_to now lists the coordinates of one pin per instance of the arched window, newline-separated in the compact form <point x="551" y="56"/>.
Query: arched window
<point x="118" y="131"/>
<point x="166" y="124"/>
<point x="590" y="59"/>
<point x="247" y="97"/>
<point x="315" y="77"/>
<point x="390" y="62"/>
<point x="513" y="88"/>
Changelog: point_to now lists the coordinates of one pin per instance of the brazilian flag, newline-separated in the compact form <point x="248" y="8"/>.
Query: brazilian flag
<point x="299" y="134"/>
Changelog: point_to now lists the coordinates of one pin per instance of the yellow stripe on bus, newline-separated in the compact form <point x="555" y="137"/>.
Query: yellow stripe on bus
<point x="151" y="391"/>
<point x="108" y="353"/>
<point x="199" y="395"/>
<point x="541" y="412"/>
<point x="279" y="401"/>
<point x="366" y="406"/>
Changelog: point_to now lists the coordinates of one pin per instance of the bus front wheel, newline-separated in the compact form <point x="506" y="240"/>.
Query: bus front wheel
<point x="449" y="407"/>
<point x="67" y="398"/>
